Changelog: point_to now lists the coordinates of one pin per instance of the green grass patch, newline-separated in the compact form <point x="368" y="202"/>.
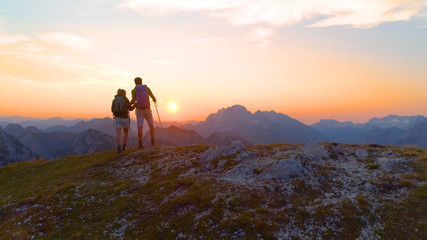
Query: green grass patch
<point x="408" y="220"/>
<point x="372" y="166"/>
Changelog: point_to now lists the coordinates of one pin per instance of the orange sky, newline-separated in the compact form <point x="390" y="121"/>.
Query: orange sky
<point x="341" y="68"/>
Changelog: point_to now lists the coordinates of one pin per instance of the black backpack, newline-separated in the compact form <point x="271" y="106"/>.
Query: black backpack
<point x="119" y="105"/>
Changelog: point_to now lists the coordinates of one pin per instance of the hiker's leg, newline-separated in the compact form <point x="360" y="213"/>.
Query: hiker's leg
<point x="152" y="134"/>
<point x="140" y="137"/>
<point x="125" y="124"/>
<point x="125" y="136"/>
<point x="140" y="124"/>
<point x="118" y="134"/>
<point x="140" y="133"/>
<point x="149" y="117"/>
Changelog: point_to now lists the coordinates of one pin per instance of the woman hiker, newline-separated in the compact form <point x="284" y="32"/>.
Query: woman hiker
<point x="120" y="108"/>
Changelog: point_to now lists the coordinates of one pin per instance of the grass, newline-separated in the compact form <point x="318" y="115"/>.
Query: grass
<point x="372" y="166"/>
<point x="89" y="197"/>
<point x="408" y="220"/>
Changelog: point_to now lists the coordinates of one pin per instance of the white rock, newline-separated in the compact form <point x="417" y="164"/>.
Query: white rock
<point x="284" y="169"/>
<point x="314" y="151"/>
<point x="227" y="150"/>
<point x="361" y="153"/>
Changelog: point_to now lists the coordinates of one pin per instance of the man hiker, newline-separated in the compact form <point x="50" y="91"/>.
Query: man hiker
<point x="141" y="97"/>
<point x="120" y="108"/>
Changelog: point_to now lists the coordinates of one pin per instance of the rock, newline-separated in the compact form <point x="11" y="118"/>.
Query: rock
<point x="284" y="169"/>
<point x="227" y="150"/>
<point x="369" y="187"/>
<point x="361" y="153"/>
<point x="392" y="163"/>
<point x="208" y="155"/>
<point x="314" y="151"/>
<point x="245" y="155"/>
<point x="221" y="163"/>
<point x="188" y="164"/>
<point x="241" y="173"/>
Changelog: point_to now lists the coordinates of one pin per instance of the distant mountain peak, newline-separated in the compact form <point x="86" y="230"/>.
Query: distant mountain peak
<point x="56" y="118"/>
<point x="237" y="107"/>
<point x="259" y="127"/>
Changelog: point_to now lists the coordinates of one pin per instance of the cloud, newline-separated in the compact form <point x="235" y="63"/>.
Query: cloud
<point x="356" y="13"/>
<point x="67" y="40"/>
<point x="7" y="39"/>
<point x="162" y="62"/>
<point x="261" y="36"/>
<point x="206" y="40"/>
<point x="163" y="7"/>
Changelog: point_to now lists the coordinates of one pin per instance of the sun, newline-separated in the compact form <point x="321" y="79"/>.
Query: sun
<point x="172" y="106"/>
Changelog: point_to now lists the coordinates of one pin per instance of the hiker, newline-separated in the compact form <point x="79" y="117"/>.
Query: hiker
<point x="120" y="108"/>
<point x="141" y="97"/>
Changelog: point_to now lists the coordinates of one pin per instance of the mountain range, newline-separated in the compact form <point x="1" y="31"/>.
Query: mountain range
<point x="56" y="137"/>
<point x="11" y="150"/>
<point x="392" y="129"/>
<point x="51" y="145"/>
<point x="257" y="128"/>
<point x="37" y="122"/>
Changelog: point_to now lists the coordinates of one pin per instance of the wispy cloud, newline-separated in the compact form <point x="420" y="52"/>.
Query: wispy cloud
<point x="68" y="40"/>
<point x="7" y="39"/>
<point x="162" y="62"/>
<point x="206" y="40"/>
<point x="265" y="16"/>
<point x="357" y="13"/>
<point x="163" y="7"/>
<point x="261" y="36"/>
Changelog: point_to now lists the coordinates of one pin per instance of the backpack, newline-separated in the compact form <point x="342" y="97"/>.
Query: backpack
<point x="142" y="97"/>
<point x="119" y="105"/>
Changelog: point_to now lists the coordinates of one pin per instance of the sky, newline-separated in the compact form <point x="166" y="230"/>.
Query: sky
<point x="309" y="59"/>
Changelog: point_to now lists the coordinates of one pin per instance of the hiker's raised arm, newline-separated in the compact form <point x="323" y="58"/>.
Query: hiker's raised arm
<point x="152" y="95"/>
<point x="133" y="97"/>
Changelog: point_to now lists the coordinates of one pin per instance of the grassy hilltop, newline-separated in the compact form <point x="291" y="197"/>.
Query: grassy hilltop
<point x="324" y="191"/>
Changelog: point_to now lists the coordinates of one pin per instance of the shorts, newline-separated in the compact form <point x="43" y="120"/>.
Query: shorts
<point x="121" y="122"/>
<point x="143" y="114"/>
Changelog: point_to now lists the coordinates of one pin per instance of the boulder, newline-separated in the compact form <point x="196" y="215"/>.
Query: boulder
<point x="227" y="150"/>
<point x="284" y="169"/>
<point x="241" y="173"/>
<point x="361" y="153"/>
<point x="392" y="163"/>
<point x="314" y="151"/>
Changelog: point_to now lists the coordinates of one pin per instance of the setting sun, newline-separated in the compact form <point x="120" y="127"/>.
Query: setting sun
<point x="172" y="107"/>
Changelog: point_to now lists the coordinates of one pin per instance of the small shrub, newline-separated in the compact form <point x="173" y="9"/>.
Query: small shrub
<point x="372" y="166"/>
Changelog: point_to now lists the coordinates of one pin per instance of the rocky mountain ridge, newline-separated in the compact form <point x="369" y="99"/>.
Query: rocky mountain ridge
<point x="51" y="145"/>
<point x="392" y="129"/>
<point x="280" y="191"/>
<point x="257" y="128"/>
<point x="12" y="151"/>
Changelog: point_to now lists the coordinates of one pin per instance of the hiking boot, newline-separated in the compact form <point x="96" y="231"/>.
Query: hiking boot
<point x="124" y="147"/>
<point x="152" y="142"/>
<point x="119" y="149"/>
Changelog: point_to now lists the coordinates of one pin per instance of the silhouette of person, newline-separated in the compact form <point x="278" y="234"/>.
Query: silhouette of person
<point x="141" y="97"/>
<point x="120" y="108"/>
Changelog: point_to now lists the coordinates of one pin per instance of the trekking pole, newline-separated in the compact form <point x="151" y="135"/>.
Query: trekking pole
<point x="155" y="104"/>
<point x="130" y="134"/>
<point x="158" y="116"/>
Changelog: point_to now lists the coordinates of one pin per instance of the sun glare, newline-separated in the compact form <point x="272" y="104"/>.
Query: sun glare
<point x="172" y="107"/>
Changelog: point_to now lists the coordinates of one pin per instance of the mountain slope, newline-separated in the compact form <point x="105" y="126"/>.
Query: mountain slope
<point x="392" y="129"/>
<point x="175" y="136"/>
<point x="257" y="128"/>
<point x="37" y="122"/>
<point x="11" y="150"/>
<point x="51" y="145"/>
<point x="280" y="191"/>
